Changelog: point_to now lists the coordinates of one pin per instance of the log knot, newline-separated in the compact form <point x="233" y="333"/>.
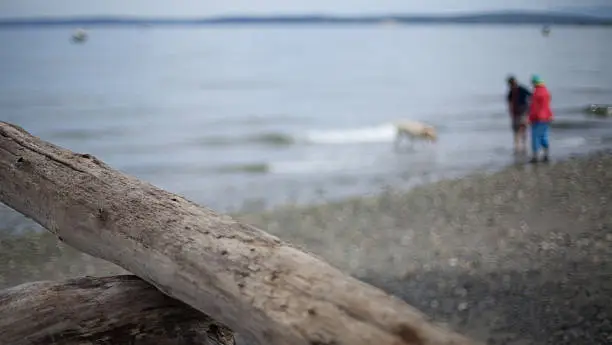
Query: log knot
<point x="23" y="164"/>
<point x="409" y="335"/>
<point x="93" y="158"/>
<point x="103" y="215"/>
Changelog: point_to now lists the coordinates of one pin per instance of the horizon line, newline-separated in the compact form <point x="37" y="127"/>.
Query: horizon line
<point x="450" y="14"/>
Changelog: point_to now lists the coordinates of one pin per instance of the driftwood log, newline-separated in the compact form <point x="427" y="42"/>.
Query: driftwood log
<point x="243" y="277"/>
<point x="102" y="311"/>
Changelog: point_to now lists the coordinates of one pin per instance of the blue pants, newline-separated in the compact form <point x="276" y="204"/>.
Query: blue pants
<point x="539" y="136"/>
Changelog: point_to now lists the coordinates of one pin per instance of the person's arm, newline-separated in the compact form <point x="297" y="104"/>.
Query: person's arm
<point x="509" y="101"/>
<point x="552" y="114"/>
<point x="527" y="92"/>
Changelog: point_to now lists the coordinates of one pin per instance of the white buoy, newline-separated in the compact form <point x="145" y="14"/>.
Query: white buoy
<point x="79" y="36"/>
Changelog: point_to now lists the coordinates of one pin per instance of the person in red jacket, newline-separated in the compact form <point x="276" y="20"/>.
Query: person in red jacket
<point x="540" y="116"/>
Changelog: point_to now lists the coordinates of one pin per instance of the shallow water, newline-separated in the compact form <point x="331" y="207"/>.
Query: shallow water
<point x="256" y="117"/>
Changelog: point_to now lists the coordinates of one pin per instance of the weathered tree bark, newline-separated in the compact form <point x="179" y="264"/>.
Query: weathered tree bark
<point x="102" y="311"/>
<point x="241" y="276"/>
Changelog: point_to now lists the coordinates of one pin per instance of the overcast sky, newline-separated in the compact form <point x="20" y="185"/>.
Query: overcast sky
<point x="20" y="8"/>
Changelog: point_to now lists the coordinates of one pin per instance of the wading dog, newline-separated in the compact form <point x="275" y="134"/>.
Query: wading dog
<point x="414" y="130"/>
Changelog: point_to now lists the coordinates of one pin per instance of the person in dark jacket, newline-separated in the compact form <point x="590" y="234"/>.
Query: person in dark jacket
<point x="518" y="104"/>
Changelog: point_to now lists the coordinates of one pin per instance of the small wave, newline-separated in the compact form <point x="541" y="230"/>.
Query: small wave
<point x="569" y="125"/>
<point x="306" y="167"/>
<point x="276" y="139"/>
<point x="570" y="110"/>
<point x="264" y="139"/>
<point x="284" y="167"/>
<point x="249" y="168"/>
<point x="571" y="142"/>
<point x="83" y="134"/>
<point x="375" y="134"/>
<point x="195" y="170"/>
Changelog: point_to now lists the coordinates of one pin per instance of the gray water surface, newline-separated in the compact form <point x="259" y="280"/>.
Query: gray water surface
<point x="235" y="116"/>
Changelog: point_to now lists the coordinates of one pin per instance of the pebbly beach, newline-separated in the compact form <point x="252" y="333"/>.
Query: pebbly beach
<point x="519" y="256"/>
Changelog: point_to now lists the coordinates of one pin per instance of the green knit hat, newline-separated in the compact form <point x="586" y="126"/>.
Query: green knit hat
<point x="536" y="80"/>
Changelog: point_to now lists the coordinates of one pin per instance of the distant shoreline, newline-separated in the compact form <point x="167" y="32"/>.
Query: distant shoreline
<point x="494" y="18"/>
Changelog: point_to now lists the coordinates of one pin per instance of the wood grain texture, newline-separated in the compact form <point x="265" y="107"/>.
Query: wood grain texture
<point x="240" y="275"/>
<point x="102" y="311"/>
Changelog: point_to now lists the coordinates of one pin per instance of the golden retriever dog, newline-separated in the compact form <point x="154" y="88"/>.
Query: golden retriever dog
<point x="414" y="130"/>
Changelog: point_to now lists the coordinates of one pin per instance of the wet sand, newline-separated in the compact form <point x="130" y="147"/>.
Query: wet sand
<point x="522" y="256"/>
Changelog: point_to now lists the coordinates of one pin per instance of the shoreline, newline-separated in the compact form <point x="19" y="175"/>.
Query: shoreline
<point x="518" y="256"/>
<point x="557" y="17"/>
<point x="424" y="197"/>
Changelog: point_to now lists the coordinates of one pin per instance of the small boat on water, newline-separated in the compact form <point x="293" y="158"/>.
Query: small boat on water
<point x="79" y="36"/>
<point x="546" y="30"/>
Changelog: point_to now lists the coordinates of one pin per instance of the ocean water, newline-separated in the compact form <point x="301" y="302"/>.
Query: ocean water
<point x="253" y="117"/>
